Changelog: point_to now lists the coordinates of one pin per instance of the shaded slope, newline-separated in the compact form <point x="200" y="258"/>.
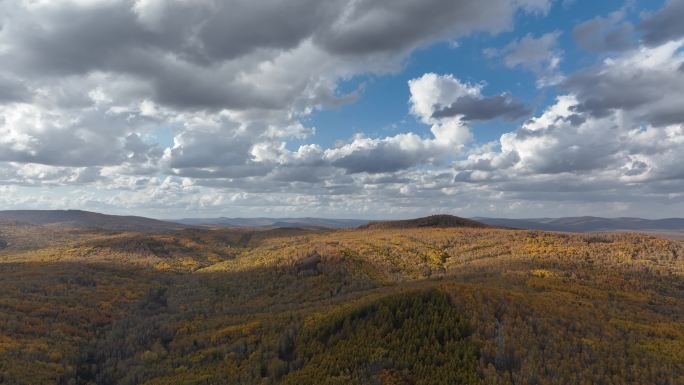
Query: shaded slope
<point x="412" y="338"/>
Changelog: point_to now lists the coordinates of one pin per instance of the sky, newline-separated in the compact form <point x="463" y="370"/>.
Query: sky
<point x="343" y="108"/>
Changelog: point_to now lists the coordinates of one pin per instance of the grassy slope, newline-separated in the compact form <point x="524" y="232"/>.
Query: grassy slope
<point x="229" y="307"/>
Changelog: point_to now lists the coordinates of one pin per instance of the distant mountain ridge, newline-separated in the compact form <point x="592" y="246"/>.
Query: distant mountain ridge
<point x="430" y="221"/>
<point x="273" y="222"/>
<point x="87" y="219"/>
<point x="587" y="223"/>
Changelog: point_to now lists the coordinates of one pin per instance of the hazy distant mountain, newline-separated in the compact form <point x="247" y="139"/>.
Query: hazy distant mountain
<point x="431" y="221"/>
<point x="587" y="224"/>
<point x="88" y="219"/>
<point x="78" y="218"/>
<point x="273" y="222"/>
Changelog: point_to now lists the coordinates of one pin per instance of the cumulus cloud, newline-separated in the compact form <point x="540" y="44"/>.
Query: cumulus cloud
<point x="595" y="140"/>
<point x="435" y="97"/>
<point x="31" y="134"/>
<point x="484" y="108"/>
<point x="644" y="84"/>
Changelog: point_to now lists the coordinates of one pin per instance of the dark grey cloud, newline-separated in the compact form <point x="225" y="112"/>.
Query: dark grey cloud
<point x="239" y="27"/>
<point x="605" y="34"/>
<point x="180" y="56"/>
<point x="386" y="178"/>
<point x="663" y="25"/>
<point x="13" y="91"/>
<point x="83" y="152"/>
<point x="485" y="108"/>
<point x="370" y="26"/>
<point x="601" y="93"/>
<point x="636" y="168"/>
<point x="70" y="41"/>
<point x="602" y="96"/>
<point x="381" y="158"/>
<point x="575" y="119"/>
<point x="196" y="54"/>
<point x="579" y="157"/>
<point x="181" y="88"/>
<point x="304" y="173"/>
<point x="75" y="39"/>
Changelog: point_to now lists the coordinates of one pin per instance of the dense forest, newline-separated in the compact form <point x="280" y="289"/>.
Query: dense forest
<point x="384" y="305"/>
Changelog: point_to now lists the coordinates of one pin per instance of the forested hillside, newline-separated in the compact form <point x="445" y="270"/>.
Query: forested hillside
<point x="417" y="305"/>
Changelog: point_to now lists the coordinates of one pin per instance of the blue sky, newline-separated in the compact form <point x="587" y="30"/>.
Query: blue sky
<point x="365" y="109"/>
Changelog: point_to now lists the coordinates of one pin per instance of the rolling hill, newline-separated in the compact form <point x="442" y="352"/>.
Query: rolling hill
<point x="86" y="219"/>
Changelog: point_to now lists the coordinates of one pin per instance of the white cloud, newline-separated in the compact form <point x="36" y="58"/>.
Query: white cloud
<point x="597" y="143"/>
<point x="431" y="92"/>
